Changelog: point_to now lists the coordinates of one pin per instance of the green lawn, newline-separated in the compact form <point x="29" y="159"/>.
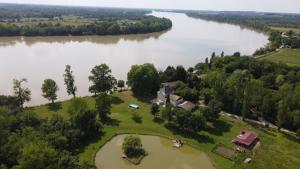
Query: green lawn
<point x="286" y="29"/>
<point x="277" y="151"/>
<point x="288" y="56"/>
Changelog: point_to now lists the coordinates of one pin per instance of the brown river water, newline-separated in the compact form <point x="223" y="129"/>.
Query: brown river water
<point x="161" y="155"/>
<point x="189" y="41"/>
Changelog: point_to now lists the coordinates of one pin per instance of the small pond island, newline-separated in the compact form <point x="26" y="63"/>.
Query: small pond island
<point x="133" y="149"/>
<point x="160" y="155"/>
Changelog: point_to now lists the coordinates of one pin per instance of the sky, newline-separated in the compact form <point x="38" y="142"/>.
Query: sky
<point x="290" y="6"/>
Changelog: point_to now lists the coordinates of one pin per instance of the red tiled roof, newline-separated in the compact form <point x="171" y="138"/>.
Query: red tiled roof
<point x="245" y="137"/>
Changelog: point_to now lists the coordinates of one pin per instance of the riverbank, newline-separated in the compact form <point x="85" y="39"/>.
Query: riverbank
<point x="84" y="26"/>
<point x="276" y="147"/>
<point x="47" y="20"/>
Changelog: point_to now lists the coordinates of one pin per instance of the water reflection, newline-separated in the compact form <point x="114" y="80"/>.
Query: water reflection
<point x="105" y="40"/>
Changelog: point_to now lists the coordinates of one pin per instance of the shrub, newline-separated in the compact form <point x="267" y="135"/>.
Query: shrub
<point x="136" y="117"/>
<point x="154" y="109"/>
<point x="132" y="146"/>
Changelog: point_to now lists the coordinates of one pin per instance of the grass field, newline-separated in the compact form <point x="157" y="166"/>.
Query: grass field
<point x="289" y="56"/>
<point x="277" y="151"/>
<point x="286" y="29"/>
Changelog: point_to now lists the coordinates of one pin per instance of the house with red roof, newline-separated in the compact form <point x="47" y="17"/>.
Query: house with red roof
<point x="245" y="138"/>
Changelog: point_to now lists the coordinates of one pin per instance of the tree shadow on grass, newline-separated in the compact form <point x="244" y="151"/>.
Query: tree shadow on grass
<point x="90" y="140"/>
<point x="137" y="119"/>
<point x="188" y="134"/>
<point x="145" y="99"/>
<point x="219" y="127"/>
<point x="54" y="106"/>
<point x="158" y="120"/>
<point x="112" y="122"/>
<point x="116" y="100"/>
<point x="266" y="131"/>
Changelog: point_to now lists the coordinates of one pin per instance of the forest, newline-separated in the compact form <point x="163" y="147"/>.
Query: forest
<point x="27" y="141"/>
<point x="255" y="20"/>
<point x="255" y="89"/>
<point x="38" y="20"/>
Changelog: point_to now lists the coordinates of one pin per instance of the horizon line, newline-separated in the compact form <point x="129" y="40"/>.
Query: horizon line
<point x="166" y="9"/>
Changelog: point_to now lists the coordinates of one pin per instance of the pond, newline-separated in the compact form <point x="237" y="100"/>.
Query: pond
<point x="189" y="41"/>
<point x="161" y="155"/>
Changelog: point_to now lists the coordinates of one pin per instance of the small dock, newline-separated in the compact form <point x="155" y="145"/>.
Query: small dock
<point x="177" y="143"/>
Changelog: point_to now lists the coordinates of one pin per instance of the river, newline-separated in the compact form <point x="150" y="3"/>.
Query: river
<point x="188" y="42"/>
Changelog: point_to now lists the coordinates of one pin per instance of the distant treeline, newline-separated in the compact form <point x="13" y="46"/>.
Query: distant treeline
<point x="255" y="20"/>
<point x="102" y="21"/>
<point x="15" y="11"/>
<point x="147" y="25"/>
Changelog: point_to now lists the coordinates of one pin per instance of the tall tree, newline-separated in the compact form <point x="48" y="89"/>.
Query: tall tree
<point x="238" y="83"/>
<point x="286" y="94"/>
<point x="103" y="106"/>
<point x="154" y="109"/>
<point x="181" y="73"/>
<point x="49" y="89"/>
<point x="167" y="112"/>
<point x="197" y="121"/>
<point x="268" y="107"/>
<point x="121" y="84"/>
<point x="281" y="114"/>
<point x="102" y="79"/>
<point x="143" y="79"/>
<point x="216" y="80"/>
<point x="82" y="117"/>
<point x="213" y="55"/>
<point x="222" y="54"/>
<point x="22" y="94"/>
<point x="214" y="108"/>
<point x="70" y="81"/>
<point x="169" y="74"/>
